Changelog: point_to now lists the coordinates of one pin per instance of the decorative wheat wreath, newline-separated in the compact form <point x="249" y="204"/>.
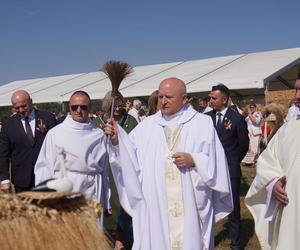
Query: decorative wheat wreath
<point x="49" y="220"/>
<point x="47" y="195"/>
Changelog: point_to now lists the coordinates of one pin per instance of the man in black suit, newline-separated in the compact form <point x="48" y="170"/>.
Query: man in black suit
<point x="21" y="139"/>
<point x="233" y="133"/>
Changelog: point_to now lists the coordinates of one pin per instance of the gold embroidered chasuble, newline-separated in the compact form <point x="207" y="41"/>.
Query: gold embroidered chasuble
<point x="174" y="192"/>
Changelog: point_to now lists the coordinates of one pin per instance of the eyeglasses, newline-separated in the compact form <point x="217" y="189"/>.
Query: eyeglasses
<point x="82" y="107"/>
<point x="121" y="106"/>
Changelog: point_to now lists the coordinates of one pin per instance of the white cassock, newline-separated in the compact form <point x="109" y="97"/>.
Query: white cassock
<point x="85" y="158"/>
<point x="292" y="114"/>
<point x="280" y="158"/>
<point x="165" y="217"/>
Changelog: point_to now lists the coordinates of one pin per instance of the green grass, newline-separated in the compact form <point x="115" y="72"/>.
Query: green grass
<point x="248" y="237"/>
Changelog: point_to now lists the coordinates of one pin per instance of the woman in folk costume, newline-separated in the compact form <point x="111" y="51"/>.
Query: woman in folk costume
<point x="253" y="120"/>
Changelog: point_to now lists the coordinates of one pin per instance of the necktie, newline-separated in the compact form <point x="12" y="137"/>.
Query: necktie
<point x="219" y="122"/>
<point x="29" y="131"/>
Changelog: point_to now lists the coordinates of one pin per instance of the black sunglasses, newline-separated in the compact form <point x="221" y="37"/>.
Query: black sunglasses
<point x="82" y="107"/>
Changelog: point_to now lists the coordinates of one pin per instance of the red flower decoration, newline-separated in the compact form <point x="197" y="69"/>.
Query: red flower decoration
<point x="40" y="126"/>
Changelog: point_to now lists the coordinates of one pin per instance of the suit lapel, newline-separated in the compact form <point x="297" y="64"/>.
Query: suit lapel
<point x="21" y="129"/>
<point x="226" y="119"/>
<point x="37" y="119"/>
<point x="214" y="118"/>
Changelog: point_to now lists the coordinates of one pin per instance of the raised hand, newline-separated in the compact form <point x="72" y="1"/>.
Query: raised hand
<point x="112" y="130"/>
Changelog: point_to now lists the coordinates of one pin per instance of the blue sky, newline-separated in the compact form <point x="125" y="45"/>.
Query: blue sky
<point x="42" y="38"/>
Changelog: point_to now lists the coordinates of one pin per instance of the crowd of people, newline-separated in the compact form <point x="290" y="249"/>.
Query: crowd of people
<point x="166" y="173"/>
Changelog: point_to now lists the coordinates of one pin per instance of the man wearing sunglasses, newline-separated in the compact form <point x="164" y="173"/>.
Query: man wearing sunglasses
<point x="84" y="151"/>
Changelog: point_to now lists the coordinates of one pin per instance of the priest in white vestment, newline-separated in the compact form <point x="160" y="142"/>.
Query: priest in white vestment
<point x="274" y="196"/>
<point x="171" y="174"/>
<point x="84" y="151"/>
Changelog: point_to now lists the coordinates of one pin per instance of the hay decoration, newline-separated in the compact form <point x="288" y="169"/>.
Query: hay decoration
<point x="274" y="115"/>
<point x="116" y="71"/>
<point x="65" y="222"/>
<point x="47" y="196"/>
<point x="278" y="110"/>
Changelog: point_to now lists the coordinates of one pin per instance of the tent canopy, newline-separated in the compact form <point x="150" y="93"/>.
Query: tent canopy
<point x="244" y="74"/>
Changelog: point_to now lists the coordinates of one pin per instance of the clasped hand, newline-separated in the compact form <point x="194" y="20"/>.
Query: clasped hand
<point x="182" y="159"/>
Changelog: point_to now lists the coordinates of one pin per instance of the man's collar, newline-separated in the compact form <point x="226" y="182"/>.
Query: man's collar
<point x="78" y="125"/>
<point x="223" y="112"/>
<point x="31" y="115"/>
<point x="187" y="114"/>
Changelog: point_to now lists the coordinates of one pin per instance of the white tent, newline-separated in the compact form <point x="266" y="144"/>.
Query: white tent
<point x="244" y="74"/>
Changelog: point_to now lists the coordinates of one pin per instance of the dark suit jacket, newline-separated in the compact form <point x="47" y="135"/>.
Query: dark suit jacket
<point x="234" y="138"/>
<point x="15" y="147"/>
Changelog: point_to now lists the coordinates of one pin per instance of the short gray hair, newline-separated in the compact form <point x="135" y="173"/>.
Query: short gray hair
<point x="136" y="103"/>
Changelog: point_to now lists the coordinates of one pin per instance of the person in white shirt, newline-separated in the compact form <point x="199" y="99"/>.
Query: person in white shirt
<point x="84" y="149"/>
<point x="134" y="111"/>
<point x="253" y="119"/>
<point x="294" y="110"/>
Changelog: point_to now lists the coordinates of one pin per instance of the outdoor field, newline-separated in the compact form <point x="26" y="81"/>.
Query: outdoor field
<point x="249" y="239"/>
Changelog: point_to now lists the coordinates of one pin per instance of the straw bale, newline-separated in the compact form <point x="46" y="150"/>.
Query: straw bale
<point x="67" y="222"/>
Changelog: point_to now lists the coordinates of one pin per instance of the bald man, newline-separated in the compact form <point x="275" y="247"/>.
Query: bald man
<point x="167" y="174"/>
<point x="84" y="150"/>
<point x="21" y="139"/>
